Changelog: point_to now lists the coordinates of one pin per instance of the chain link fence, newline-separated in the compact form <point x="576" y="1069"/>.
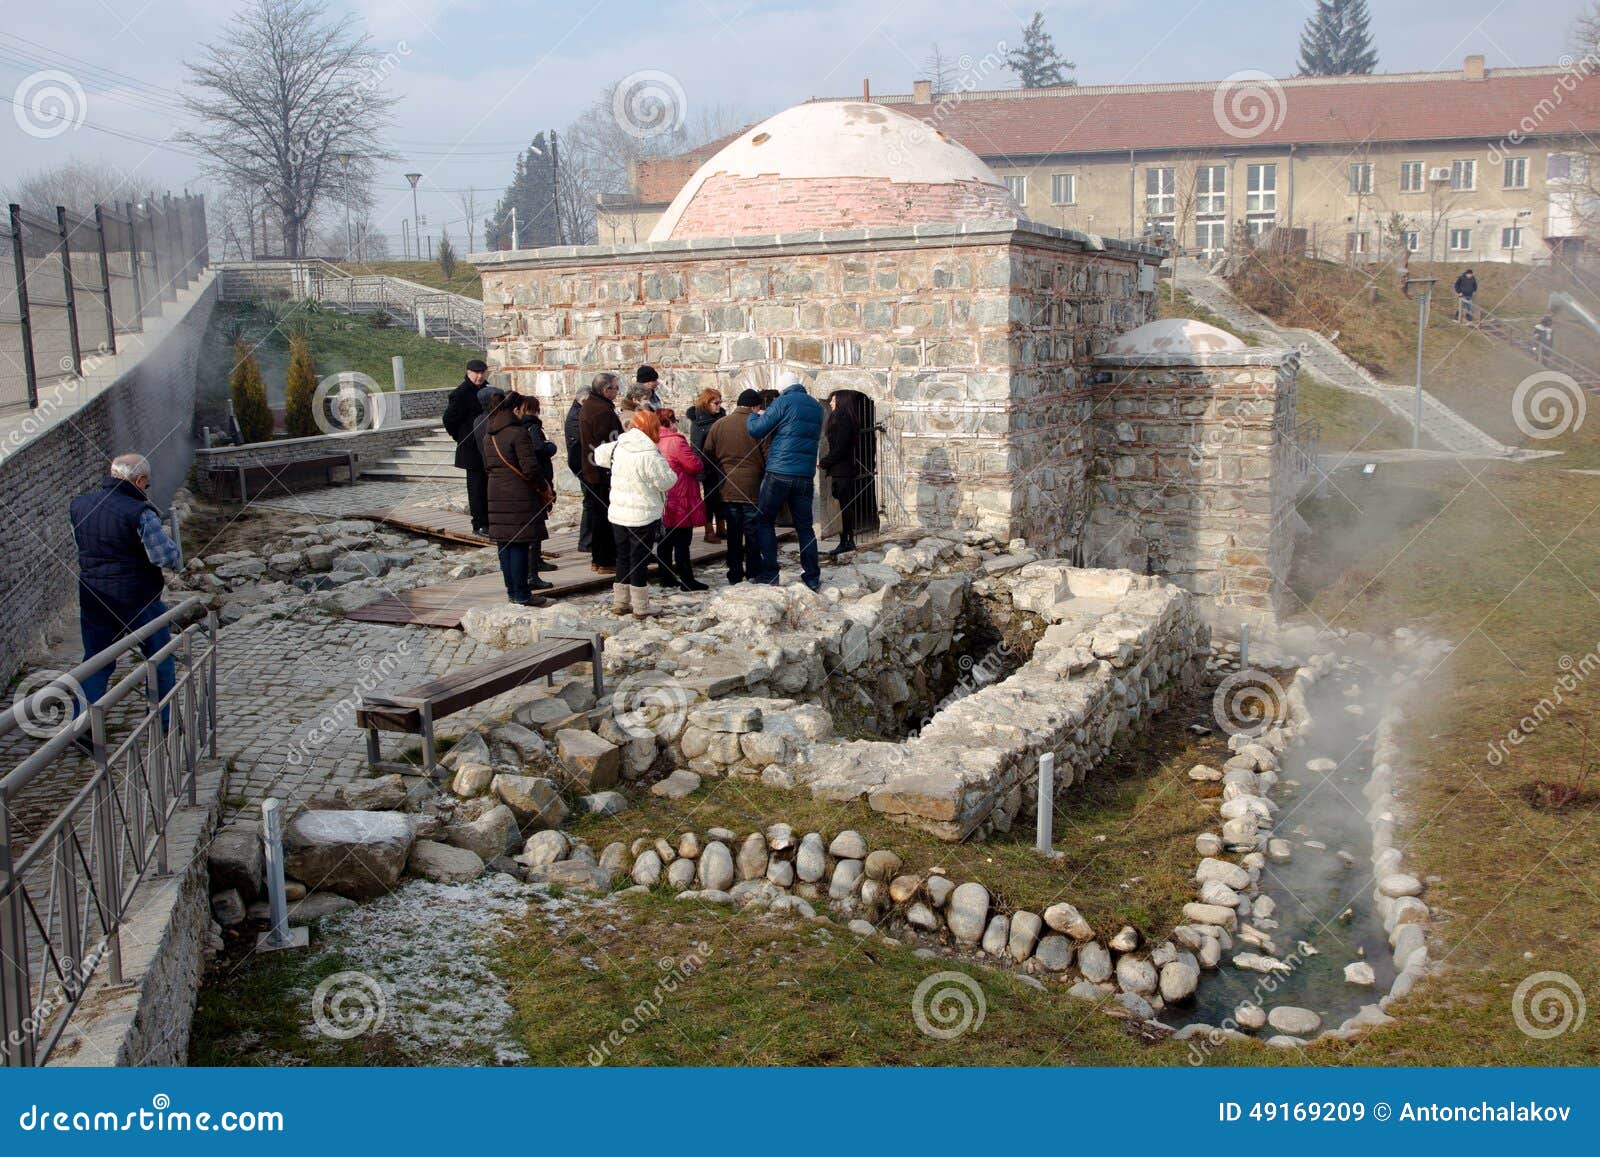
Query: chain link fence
<point x="71" y="283"/>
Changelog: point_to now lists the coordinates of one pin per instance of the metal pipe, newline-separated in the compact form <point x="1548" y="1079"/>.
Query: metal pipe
<point x="24" y="317"/>
<point x="66" y="281"/>
<point x="1045" y="807"/>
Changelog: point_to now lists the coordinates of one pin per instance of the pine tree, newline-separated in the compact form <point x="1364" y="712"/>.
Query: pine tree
<point x="249" y="394"/>
<point x="301" y="389"/>
<point x="447" y="255"/>
<point x="532" y="192"/>
<point x="1037" y="62"/>
<point x="1337" y="40"/>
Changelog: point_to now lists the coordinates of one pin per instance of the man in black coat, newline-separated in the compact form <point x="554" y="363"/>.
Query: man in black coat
<point x="574" y="443"/>
<point x="462" y="414"/>
<point x="1466" y="288"/>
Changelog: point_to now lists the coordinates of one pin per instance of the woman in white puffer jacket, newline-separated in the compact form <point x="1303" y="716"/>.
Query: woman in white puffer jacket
<point x="640" y="480"/>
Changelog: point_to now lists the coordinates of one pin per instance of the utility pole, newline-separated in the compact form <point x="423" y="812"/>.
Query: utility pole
<point x="414" y="178"/>
<point x="513" y="227"/>
<point x="344" y="168"/>
<point x="1427" y="284"/>
<point x="555" y="184"/>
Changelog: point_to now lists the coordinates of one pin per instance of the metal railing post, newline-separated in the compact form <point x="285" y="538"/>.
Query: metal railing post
<point x="16" y="990"/>
<point x="109" y="856"/>
<point x="158" y="765"/>
<point x="133" y="265"/>
<point x="211" y="679"/>
<point x="24" y="319"/>
<point x="66" y="284"/>
<point x="155" y="258"/>
<point x="105" y="281"/>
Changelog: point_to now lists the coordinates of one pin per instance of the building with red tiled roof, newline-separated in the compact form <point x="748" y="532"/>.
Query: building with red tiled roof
<point x="1476" y="164"/>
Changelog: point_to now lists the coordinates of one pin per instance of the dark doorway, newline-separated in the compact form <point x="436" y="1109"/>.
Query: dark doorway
<point x="866" y="453"/>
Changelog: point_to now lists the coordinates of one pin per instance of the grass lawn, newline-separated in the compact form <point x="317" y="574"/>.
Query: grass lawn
<point x="465" y="282"/>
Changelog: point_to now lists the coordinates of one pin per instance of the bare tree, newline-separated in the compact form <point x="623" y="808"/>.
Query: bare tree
<point x="280" y="98"/>
<point x="941" y="70"/>
<point x="469" y="208"/>
<point x="79" y="185"/>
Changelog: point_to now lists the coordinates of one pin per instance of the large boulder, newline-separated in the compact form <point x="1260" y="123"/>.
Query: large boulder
<point x="235" y="860"/>
<point x="444" y="864"/>
<point x="534" y="800"/>
<point x="968" y="912"/>
<point x="490" y="835"/>
<point x="589" y="762"/>
<point x="359" y="854"/>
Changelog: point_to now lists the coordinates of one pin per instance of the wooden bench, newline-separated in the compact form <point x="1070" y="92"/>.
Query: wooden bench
<point x="321" y="469"/>
<point x="414" y="712"/>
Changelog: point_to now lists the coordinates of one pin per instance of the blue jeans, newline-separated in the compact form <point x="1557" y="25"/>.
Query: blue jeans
<point x="796" y="490"/>
<point x="516" y="569"/>
<point x="744" y="552"/>
<point x="101" y="628"/>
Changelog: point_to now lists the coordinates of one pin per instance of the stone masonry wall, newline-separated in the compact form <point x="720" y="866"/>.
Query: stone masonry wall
<point x="369" y="446"/>
<point x="1190" y="481"/>
<point x="974" y="344"/>
<point x="148" y="409"/>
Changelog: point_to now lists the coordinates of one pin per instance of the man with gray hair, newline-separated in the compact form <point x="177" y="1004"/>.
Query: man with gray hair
<point x="122" y="548"/>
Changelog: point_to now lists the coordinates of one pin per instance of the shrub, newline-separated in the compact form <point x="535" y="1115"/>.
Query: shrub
<point x="249" y="394"/>
<point x="447" y="256"/>
<point x="380" y="319"/>
<point x="298" y="417"/>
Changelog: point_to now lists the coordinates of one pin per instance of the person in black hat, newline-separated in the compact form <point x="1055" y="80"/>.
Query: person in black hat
<point x="463" y="418"/>
<point x="646" y="389"/>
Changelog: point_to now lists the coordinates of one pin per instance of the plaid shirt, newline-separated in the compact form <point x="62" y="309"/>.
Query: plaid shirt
<point x="158" y="545"/>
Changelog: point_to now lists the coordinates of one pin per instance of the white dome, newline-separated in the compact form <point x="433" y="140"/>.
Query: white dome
<point x="1173" y="335"/>
<point x="878" y="166"/>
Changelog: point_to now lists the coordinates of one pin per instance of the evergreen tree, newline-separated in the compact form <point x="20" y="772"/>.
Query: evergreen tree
<point x="1337" y="40"/>
<point x="300" y="390"/>
<point x="249" y="394"/>
<point x="533" y="193"/>
<point x="1037" y="63"/>
<point x="447" y="255"/>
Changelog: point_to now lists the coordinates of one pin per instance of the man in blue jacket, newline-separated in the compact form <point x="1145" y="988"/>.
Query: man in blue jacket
<point x="795" y="422"/>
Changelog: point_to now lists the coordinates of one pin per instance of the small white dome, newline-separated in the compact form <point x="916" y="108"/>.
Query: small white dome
<point x="1173" y="335"/>
<point x="831" y="165"/>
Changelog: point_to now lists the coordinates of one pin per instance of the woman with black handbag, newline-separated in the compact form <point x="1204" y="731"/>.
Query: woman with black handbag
<point x="520" y="497"/>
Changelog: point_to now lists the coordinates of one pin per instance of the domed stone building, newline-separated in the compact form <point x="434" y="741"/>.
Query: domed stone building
<point x="867" y="252"/>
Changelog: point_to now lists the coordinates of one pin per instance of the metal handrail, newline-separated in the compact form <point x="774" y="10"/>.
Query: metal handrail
<point x="11" y="719"/>
<point x="62" y="900"/>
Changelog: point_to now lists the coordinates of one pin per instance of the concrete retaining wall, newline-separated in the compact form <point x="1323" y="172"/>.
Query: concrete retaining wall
<point x="369" y="447"/>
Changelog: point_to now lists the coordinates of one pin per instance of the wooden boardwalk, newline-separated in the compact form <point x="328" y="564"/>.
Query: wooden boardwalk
<point x="446" y="604"/>
<point x="445" y="524"/>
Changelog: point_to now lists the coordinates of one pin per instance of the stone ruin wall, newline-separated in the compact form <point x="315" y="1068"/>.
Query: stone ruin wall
<point x="974" y="342"/>
<point x="1194" y="476"/>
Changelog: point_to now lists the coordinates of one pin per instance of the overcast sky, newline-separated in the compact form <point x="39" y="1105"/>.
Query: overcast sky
<point x="476" y="78"/>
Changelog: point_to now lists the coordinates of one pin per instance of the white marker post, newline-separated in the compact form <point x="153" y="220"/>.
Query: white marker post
<point x="1045" y="806"/>
<point x="280" y="935"/>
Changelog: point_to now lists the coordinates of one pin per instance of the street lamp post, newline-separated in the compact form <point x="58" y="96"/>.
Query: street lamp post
<point x="1427" y="284"/>
<point x="344" y="168"/>
<point x="414" y="178"/>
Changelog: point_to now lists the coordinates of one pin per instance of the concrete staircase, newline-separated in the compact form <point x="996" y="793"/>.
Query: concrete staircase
<point x="1441" y="425"/>
<point x="432" y="459"/>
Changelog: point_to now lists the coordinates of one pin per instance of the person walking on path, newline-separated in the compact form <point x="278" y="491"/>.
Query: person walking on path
<point x="705" y="413"/>
<point x="122" y="550"/>
<point x="849" y="479"/>
<point x="1466" y="288"/>
<point x="520" y="498"/>
<point x="795" y="422"/>
<point x="1544" y="339"/>
<point x="598" y="425"/>
<point x="685" y="508"/>
<point x="640" y="481"/>
<point x="740" y="462"/>
<point x="461" y="415"/>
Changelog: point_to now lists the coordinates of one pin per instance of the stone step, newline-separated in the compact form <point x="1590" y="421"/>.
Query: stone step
<point x="412" y="472"/>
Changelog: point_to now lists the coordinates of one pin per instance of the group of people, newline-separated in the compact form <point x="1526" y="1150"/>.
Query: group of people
<point x="650" y="478"/>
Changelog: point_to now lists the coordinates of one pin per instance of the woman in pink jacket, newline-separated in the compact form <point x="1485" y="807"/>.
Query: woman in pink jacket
<point x="685" y="510"/>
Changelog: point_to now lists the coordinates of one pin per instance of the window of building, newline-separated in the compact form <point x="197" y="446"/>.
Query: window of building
<point x="1558" y="167"/>
<point x="1064" y="189"/>
<point x="1018" y="187"/>
<point x="1160" y="192"/>
<point x="1360" y="179"/>
<point x="1356" y="242"/>
<point x="1210" y="237"/>
<point x="1256" y="226"/>
<point x="1516" y="172"/>
<point x="1511" y="237"/>
<point x="1413" y="240"/>
<point x="1464" y="175"/>
<point x="1460" y="240"/>
<point x="1211" y="189"/>
<point x="1412" y="176"/>
<point x="1261" y="188"/>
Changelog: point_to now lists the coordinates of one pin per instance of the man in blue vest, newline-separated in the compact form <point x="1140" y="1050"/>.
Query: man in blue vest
<point x="122" y="547"/>
<point x="794" y="420"/>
